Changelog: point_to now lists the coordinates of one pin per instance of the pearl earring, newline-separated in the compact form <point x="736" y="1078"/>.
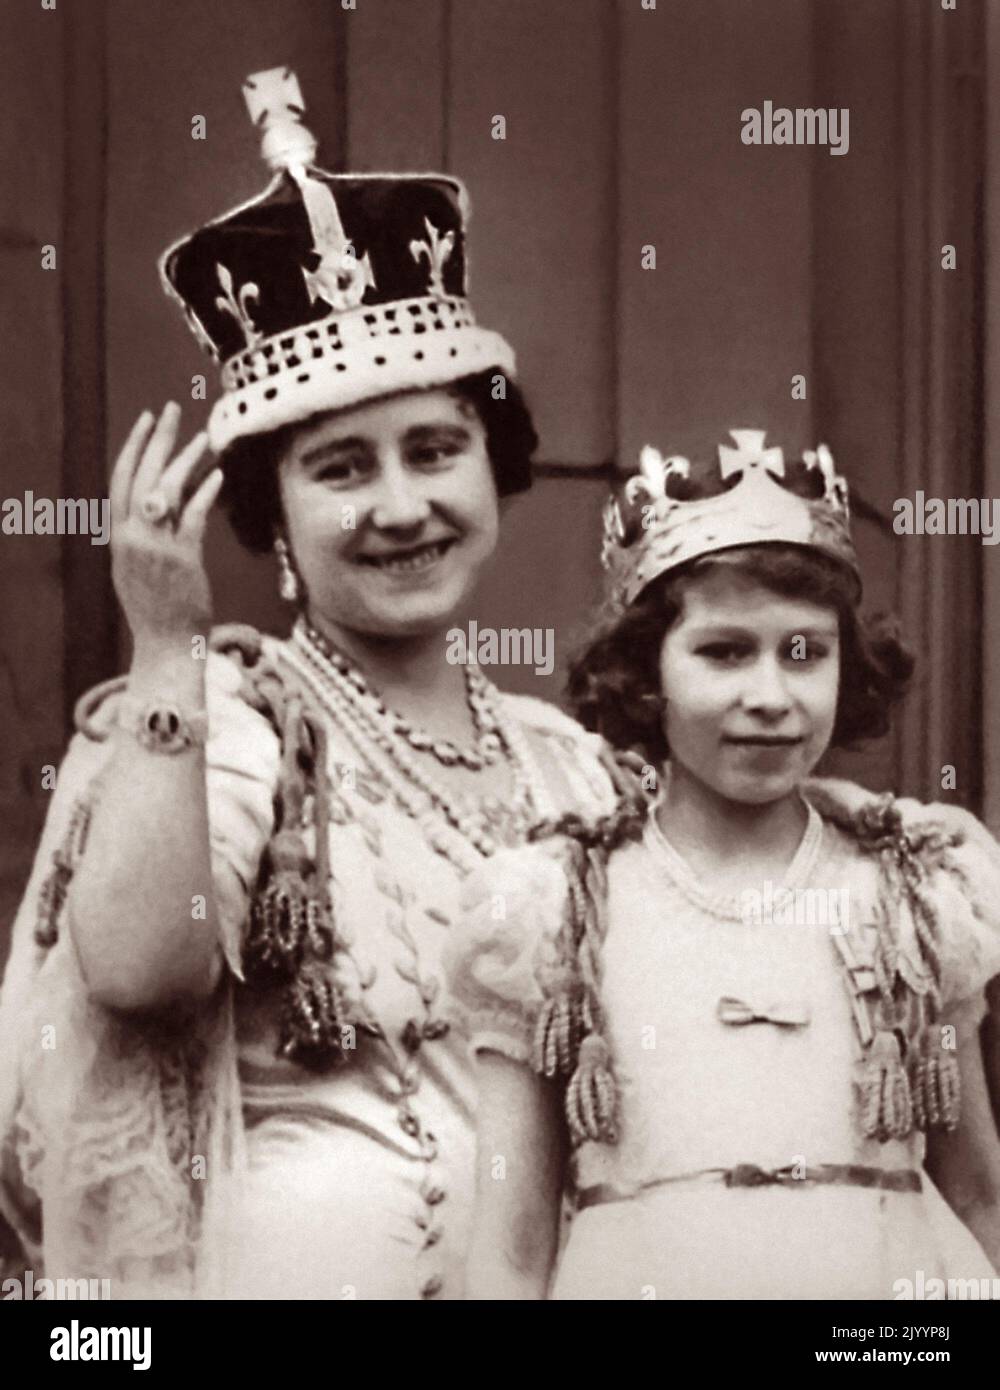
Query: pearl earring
<point x="288" y="580"/>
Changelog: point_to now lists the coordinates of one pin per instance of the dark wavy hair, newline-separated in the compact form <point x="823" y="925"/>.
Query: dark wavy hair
<point x="614" y="680"/>
<point x="251" y="496"/>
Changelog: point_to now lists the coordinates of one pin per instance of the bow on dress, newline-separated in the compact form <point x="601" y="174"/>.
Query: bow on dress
<point x="784" y="1012"/>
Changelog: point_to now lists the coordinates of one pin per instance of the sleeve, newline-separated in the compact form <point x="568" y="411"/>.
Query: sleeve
<point x="121" y="1136"/>
<point x="504" y="959"/>
<point x="77" y="775"/>
<point x="242" y="759"/>
<point x="966" y="891"/>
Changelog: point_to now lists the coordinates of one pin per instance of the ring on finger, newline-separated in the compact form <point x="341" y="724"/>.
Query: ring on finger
<point x="157" y="510"/>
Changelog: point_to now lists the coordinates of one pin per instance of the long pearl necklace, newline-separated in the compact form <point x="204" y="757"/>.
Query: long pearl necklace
<point x="449" y="825"/>
<point x="487" y="747"/>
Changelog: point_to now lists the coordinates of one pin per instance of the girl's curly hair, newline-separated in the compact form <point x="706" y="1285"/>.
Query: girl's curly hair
<point x="614" y="680"/>
<point x="251" y="496"/>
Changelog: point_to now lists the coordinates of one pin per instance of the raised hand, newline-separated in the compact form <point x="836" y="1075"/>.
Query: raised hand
<point x="159" y="507"/>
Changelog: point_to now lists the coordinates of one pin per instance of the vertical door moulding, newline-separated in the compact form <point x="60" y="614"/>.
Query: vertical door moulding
<point x="991" y="483"/>
<point x="91" y="614"/>
<point x="939" y="426"/>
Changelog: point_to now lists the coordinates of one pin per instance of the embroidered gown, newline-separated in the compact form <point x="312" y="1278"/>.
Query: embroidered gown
<point x="214" y="1165"/>
<point x="733" y="1041"/>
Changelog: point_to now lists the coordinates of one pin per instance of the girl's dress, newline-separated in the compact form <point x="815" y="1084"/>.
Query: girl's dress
<point x="736" y="1055"/>
<point x="261" y="1154"/>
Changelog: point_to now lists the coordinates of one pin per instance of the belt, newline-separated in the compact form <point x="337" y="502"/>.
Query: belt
<point x="749" y="1175"/>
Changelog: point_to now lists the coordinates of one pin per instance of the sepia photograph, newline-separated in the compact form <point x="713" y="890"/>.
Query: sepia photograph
<point x="500" y="661"/>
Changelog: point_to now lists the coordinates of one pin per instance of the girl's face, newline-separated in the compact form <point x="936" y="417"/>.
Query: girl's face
<point x="391" y="511"/>
<point x="750" y="682"/>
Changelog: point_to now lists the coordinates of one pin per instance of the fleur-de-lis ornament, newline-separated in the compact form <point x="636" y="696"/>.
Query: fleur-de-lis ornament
<point x="436" y="250"/>
<point x="238" y="305"/>
<point x="834" y="487"/>
<point x="654" y="470"/>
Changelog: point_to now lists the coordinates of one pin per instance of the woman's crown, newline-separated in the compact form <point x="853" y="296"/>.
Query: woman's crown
<point x="327" y="289"/>
<point x="658" y="522"/>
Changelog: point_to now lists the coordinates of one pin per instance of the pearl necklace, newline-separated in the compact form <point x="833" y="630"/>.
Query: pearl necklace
<point x="488" y="746"/>
<point x="445" y="820"/>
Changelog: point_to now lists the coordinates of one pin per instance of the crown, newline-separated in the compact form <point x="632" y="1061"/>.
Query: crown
<point x="328" y="289"/>
<point x="657" y="525"/>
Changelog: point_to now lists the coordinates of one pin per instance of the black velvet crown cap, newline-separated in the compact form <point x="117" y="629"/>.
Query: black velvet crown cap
<point x="327" y="290"/>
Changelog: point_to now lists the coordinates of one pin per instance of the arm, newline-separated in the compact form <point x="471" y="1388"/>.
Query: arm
<point x="965" y="1165"/>
<point x="131" y="902"/>
<point x="520" y="1163"/>
<point x="130" y="905"/>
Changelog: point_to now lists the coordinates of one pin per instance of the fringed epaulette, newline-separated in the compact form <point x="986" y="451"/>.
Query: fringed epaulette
<point x="569" y="1037"/>
<point x="909" y="1078"/>
<point x="291" y="938"/>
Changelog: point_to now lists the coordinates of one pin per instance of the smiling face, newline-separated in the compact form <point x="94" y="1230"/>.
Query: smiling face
<point x="391" y="512"/>
<point x="750" y="681"/>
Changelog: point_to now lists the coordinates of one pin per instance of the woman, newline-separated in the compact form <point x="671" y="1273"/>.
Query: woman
<point x="253" y="857"/>
<point x="762" y="998"/>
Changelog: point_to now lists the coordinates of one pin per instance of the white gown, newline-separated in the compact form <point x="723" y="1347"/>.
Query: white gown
<point x="699" y="1093"/>
<point x="222" y="1169"/>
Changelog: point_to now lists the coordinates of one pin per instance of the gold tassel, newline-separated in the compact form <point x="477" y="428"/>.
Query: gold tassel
<point x="557" y="1031"/>
<point x="311" y="1030"/>
<point x="291" y="936"/>
<point x="937" y="1089"/>
<point x="949" y="1081"/>
<point x="282" y="912"/>
<point x="591" y="1098"/>
<point x="887" y="1105"/>
<point x="900" y="1107"/>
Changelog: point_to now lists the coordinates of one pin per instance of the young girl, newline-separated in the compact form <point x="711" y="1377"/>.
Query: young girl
<point x="740" y="1029"/>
